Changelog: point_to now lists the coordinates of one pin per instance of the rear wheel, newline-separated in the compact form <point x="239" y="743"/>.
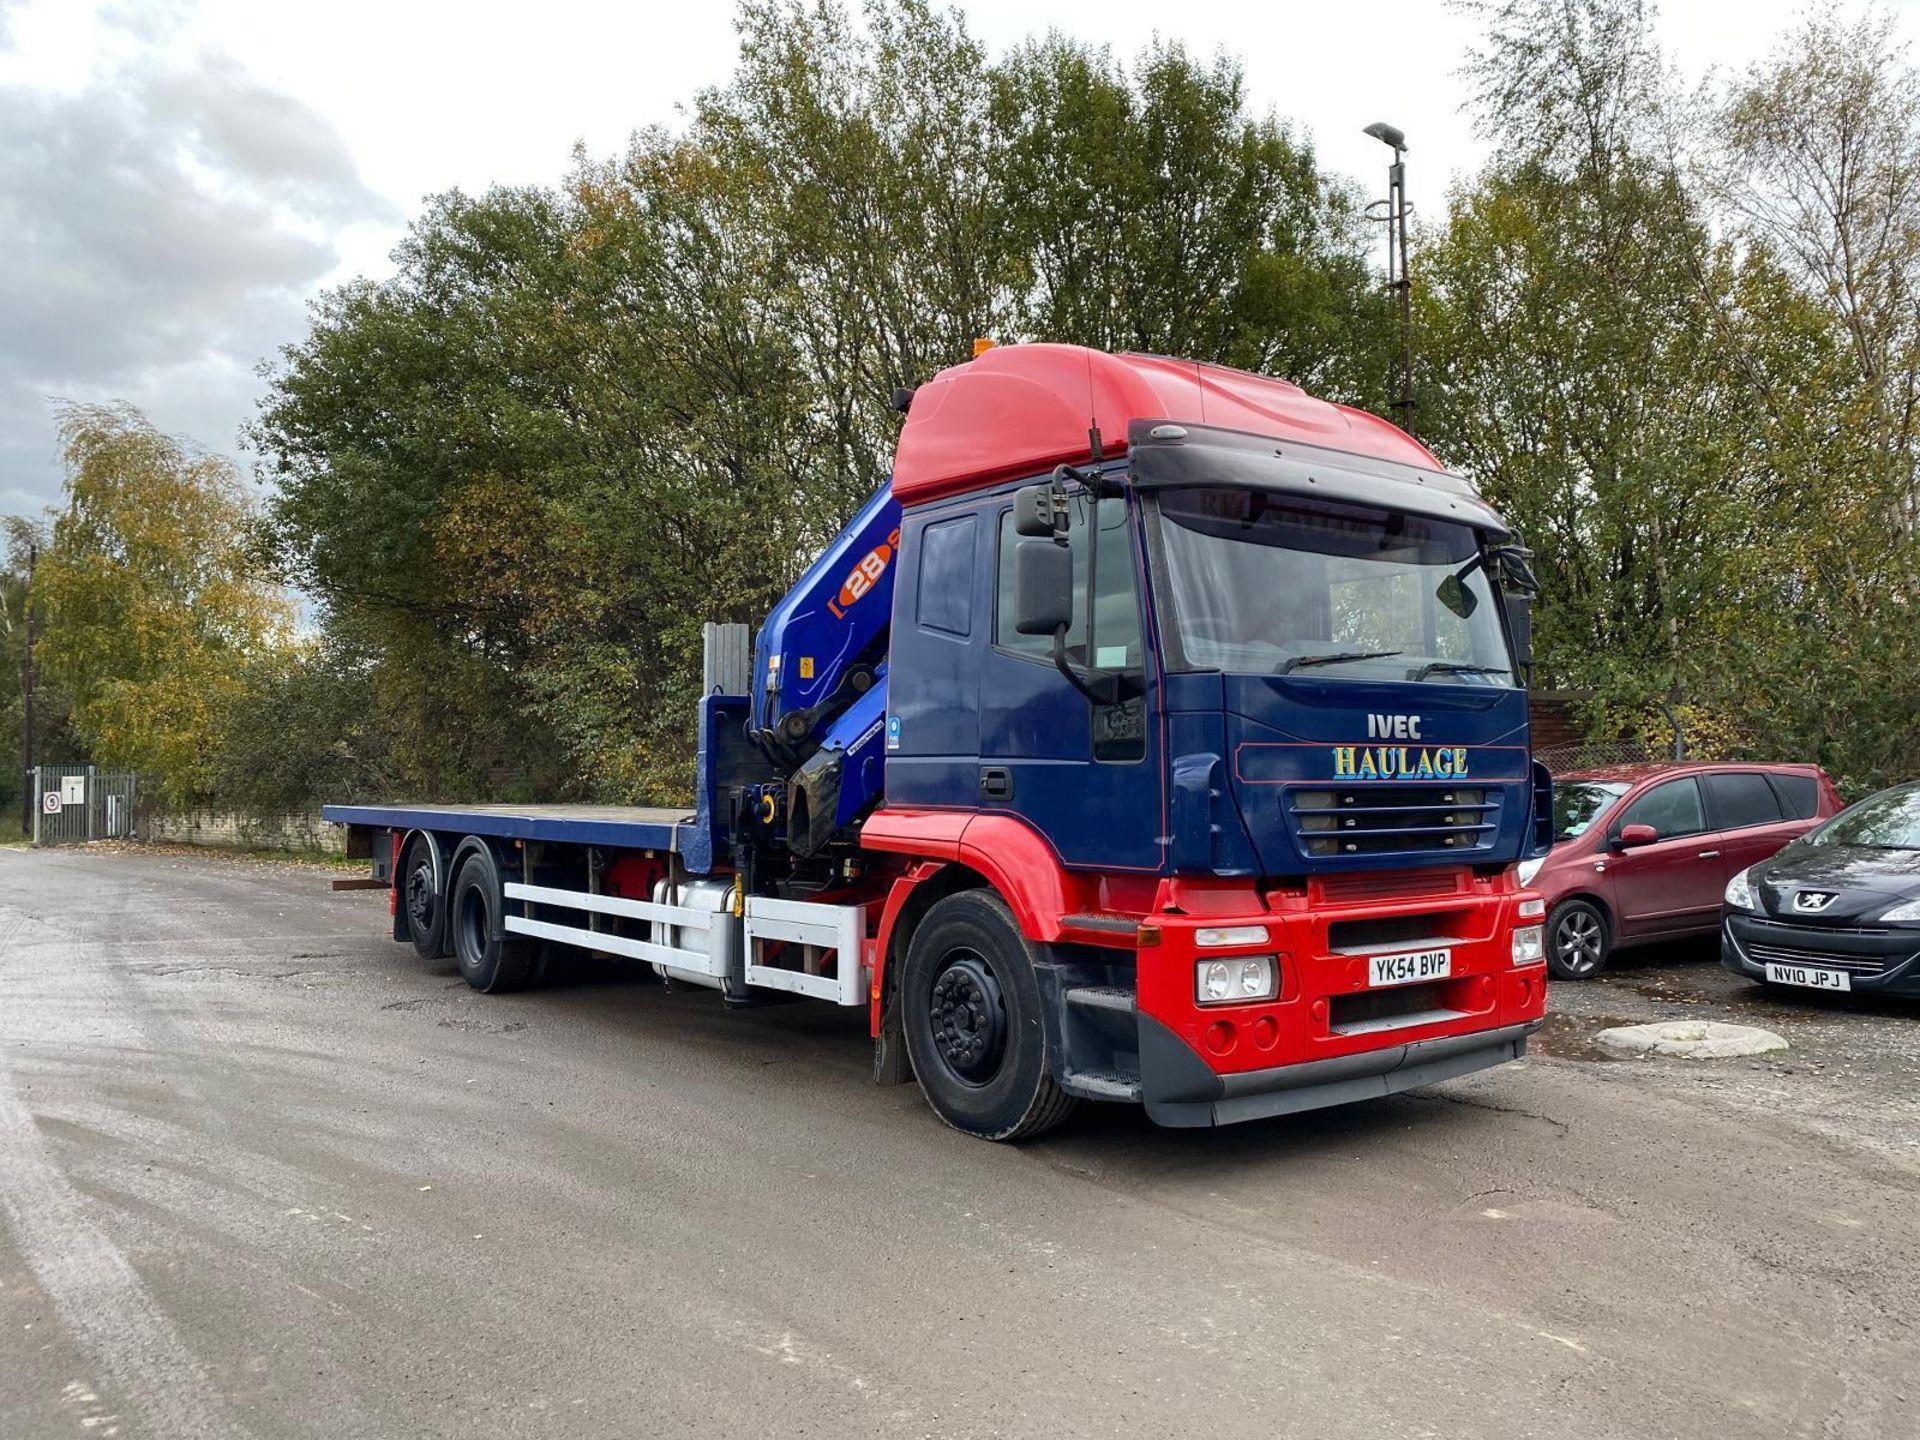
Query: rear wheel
<point x="424" y="893"/>
<point x="974" y="1028"/>
<point x="491" y="960"/>
<point x="1578" y="940"/>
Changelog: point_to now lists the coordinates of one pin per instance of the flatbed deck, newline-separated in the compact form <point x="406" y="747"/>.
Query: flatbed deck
<point x="629" y="827"/>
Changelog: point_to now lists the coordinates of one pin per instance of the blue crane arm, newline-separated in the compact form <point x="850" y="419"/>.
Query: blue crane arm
<point x="824" y="644"/>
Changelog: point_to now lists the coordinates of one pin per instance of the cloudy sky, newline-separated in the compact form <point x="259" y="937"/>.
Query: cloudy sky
<point x="178" y="177"/>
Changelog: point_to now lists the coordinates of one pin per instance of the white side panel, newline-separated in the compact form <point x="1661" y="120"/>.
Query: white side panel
<point x="838" y="930"/>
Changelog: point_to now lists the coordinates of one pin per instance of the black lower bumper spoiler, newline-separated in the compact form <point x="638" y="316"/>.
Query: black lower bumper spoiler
<point x="1179" y="1089"/>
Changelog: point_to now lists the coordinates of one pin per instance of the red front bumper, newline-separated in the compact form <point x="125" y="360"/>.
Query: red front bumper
<point x="1330" y="1035"/>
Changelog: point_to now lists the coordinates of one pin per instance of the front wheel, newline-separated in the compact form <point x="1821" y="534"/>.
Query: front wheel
<point x="975" y="1032"/>
<point x="1577" y="940"/>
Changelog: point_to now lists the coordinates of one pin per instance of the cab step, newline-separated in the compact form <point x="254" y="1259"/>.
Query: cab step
<point x="1102" y="1084"/>
<point x="1102" y="997"/>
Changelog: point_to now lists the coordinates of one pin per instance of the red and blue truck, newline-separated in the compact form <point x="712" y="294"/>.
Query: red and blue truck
<point x="1156" y="734"/>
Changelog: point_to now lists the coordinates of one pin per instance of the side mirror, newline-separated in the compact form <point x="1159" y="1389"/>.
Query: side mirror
<point x="1520" y="626"/>
<point x="1042" y="586"/>
<point x="1632" y="835"/>
<point x="1033" y="512"/>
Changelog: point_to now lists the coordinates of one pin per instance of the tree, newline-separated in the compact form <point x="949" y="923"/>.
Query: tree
<point x="1150" y="211"/>
<point x="1820" y="158"/>
<point x="1573" y="298"/>
<point x="577" y="423"/>
<point x="150" y="612"/>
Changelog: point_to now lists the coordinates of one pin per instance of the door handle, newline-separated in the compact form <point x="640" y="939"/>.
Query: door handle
<point x="996" y="782"/>
<point x="1709" y="855"/>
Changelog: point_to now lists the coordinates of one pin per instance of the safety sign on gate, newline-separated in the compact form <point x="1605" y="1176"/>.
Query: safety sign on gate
<point x="50" y="802"/>
<point x="73" y="789"/>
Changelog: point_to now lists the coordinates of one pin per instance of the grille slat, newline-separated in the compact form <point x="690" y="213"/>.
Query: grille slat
<point x="1329" y="820"/>
<point x="1405" y="885"/>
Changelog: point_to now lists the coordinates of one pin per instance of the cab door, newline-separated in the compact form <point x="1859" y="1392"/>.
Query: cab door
<point x="1674" y="885"/>
<point x="1085" y="774"/>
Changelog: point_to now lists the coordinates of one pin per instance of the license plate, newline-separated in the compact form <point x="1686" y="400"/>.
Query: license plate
<point x="1809" y="976"/>
<point x="1409" y="967"/>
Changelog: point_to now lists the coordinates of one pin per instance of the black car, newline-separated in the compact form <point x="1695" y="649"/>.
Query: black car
<point x="1839" y="908"/>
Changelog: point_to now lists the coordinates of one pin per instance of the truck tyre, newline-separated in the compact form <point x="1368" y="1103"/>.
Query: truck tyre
<point x="1578" y="940"/>
<point x="424" y="883"/>
<point x="491" y="960"/>
<point x="975" y="1031"/>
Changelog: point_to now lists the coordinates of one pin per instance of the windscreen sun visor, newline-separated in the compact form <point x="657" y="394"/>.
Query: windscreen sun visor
<point x="1177" y="456"/>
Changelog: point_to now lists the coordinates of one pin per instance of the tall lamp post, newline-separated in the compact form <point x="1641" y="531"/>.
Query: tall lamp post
<point x="1394" y="216"/>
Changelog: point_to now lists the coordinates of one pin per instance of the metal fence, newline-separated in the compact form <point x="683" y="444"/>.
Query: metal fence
<point x="1598" y="755"/>
<point x="76" y="803"/>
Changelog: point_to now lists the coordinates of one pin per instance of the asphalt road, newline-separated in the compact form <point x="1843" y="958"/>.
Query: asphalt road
<point x="262" y="1172"/>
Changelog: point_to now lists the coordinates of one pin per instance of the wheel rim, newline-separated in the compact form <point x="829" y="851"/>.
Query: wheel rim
<point x="968" y="1018"/>
<point x="1577" y="940"/>
<point x="420" y="897"/>
<point x="473" y="925"/>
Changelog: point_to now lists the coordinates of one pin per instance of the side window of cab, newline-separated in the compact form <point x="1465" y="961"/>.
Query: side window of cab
<point x="1115" y="610"/>
<point x="1106" y="632"/>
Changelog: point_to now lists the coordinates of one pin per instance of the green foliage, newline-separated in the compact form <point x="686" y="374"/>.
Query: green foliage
<point x="152" y="616"/>
<point x="54" y="739"/>
<point x="1663" y="339"/>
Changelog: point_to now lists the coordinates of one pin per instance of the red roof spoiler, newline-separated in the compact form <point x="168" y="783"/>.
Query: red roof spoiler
<point x="1020" y="410"/>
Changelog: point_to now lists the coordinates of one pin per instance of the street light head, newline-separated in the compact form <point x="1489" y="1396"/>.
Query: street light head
<point x="1387" y="134"/>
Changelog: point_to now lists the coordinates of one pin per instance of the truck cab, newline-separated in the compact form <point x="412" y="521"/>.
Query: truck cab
<point x="1236" y="675"/>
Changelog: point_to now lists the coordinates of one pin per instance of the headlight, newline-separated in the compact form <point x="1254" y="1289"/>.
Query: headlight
<point x="1740" y="891"/>
<point x="1908" y="911"/>
<point x="1235" y="981"/>
<point x="1530" y="868"/>
<point x="1529" y="945"/>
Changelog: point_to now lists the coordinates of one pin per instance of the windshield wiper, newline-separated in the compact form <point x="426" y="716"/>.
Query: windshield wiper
<point x="1457" y="667"/>
<point x="1300" y="662"/>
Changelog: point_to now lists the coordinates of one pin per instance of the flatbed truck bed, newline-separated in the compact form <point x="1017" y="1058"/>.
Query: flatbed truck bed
<point x="626" y="827"/>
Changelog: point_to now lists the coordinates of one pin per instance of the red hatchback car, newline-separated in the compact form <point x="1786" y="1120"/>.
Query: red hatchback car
<point x="1644" y="852"/>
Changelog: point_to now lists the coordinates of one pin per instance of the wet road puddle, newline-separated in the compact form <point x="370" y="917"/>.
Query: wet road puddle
<point x="1570" y="1037"/>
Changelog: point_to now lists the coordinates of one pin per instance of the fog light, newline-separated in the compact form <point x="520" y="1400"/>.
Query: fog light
<point x="1235" y="982"/>
<point x="1208" y="939"/>
<point x="1529" y="945"/>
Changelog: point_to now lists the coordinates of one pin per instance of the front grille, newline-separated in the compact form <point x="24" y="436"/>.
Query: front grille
<point x="1827" y="959"/>
<point x="1390" y="932"/>
<point x="1390" y="1009"/>
<point x="1393" y="819"/>
<point x="1787" y="929"/>
<point x="1395" y="885"/>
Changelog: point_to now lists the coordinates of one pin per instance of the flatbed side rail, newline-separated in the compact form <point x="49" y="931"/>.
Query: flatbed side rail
<point x="716" y="943"/>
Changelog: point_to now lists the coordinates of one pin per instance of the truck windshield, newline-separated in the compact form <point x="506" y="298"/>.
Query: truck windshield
<point x="1268" y="584"/>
